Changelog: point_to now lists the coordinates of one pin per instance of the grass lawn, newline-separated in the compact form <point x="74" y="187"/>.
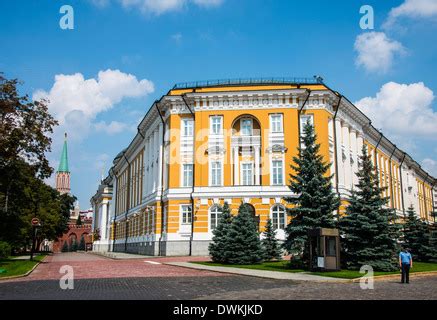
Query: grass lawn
<point x="351" y="274"/>
<point x="345" y="274"/>
<point x="18" y="267"/>
<point x="270" y="266"/>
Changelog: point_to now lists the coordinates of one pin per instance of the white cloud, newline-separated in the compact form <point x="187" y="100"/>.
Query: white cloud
<point x="80" y="99"/>
<point x="208" y="3"/>
<point x="412" y="9"/>
<point x="162" y="6"/>
<point x="100" y="3"/>
<point x="111" y="128"/>
<point x="376" y="51"/>
<point x="403" y="111"/>
<point x="177" y="37"/>
<point x="430" y="166"/>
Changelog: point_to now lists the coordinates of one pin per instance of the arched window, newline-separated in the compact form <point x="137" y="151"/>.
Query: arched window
<point x="278" y="217"/>
<point x="215" y="213"/>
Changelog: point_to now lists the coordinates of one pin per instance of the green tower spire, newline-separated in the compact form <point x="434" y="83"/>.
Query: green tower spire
<point x="63" y="165"/>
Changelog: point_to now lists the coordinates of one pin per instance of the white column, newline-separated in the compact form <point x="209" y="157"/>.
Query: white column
<point x="353" y="148"/>
<point x="236" y="167"/>
<point x="340" y="166"/>
<point x="161" y="154"/>
<point x="103" y="220"/>
<point x="257" y="156"/>
<point x="347" y="163"/>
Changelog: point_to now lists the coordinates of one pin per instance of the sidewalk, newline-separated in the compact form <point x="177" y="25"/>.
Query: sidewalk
<point x="295" y="276"/>
<point x="120" y="255"/>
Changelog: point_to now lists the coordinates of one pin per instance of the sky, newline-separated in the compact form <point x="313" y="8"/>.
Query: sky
<point x="102" y="76"/>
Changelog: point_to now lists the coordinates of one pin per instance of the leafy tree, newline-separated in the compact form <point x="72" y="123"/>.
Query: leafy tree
<point x="65" y="247"/>
<point x="66" y="205"/>
<point x="369" y="228"/>
<point x="315" y="200"/>
<point x="270" y="244"/>
<point x="417" y="236"/>
<point x="218" y="246"/>
<point x="243" y="245"/>
<point x="25" y="126"/>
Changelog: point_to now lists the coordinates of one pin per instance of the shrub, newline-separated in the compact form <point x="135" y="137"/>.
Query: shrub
<point x="5" y="250"/>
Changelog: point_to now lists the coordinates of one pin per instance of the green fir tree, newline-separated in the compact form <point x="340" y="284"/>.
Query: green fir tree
<point x="79" y="220"/>
<point x="65" y="247"/>
<point x="417" y="236"/>
<point x="270" y="244"/>
<point x="82" y="244"/>
<point x="315" y="202"/>
<point x="243" y="245"/>
<point x="218" y="246"/>
<point x="369" y="229"/>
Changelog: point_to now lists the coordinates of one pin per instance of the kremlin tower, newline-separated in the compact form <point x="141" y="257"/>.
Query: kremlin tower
<point x="63" y="174"/>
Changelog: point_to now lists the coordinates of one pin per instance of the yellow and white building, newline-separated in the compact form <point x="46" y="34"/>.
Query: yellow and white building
<point x="205" y="143"/>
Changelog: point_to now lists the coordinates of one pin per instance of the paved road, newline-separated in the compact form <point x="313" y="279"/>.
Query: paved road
<point x="102" y="278"/>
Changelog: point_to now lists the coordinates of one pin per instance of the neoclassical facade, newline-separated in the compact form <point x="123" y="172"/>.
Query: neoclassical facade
<point x="203" y="144"/>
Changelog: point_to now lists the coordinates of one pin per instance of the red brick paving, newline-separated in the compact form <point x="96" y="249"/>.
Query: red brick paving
<point x="90" y="266"/>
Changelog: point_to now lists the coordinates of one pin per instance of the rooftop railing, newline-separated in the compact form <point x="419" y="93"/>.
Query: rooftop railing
<point x="249" y="81"/>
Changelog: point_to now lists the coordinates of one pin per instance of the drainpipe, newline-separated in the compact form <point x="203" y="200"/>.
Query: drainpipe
<point x="391" y="177"/>
<point x="162" y="177"/>
<point x="402" y="184"/>
<point x="335" y="146"/>
<point x="115" y="210"/>
<point x="432" y="199"/>
<point x="127" y="200"/>
<point x="376" y="155"/>
<point x="424" y="197"/>
<point x="194" y="177"/>
<point x="298" y="116"/>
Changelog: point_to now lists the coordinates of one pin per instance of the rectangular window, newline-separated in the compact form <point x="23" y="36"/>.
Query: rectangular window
<point x="276" y="123"/>
<point x="247" y="174"/>
<point x="246" y="127"/>
<point x="216" y="173"/>
<point x="277" y="172"/>
<point x="186" y="214"/>
<point x="303" y="121"/>
<point x="187" y="127"/>
<point x="187" y="177"/>
<point x="216" y="125"/>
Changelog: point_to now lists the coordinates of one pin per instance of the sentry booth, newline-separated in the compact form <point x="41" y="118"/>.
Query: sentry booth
<point x="324" y="249"/>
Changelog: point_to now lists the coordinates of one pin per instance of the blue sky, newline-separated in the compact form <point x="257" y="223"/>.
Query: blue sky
<point x="388" y="71"/>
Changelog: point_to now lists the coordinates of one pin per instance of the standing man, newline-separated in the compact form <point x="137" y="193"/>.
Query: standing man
<point x="405" y="263"/>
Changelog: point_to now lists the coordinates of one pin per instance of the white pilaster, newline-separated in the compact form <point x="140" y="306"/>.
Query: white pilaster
<point x="236" y="167"/>
<point x="346" y="162"/>
<point x="257" y="158"/>
<point x="340" y="165"/>
<point x="353" y="149"/>
<point x="103" y="220"/>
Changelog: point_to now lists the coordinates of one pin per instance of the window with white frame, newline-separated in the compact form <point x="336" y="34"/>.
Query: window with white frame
<point x="247" y="173"/>
<point x="187" y="127"/>
<point x="276" y="123"/>
<point x="186" y="214"/>
<point x="278" y="217"/>
<point x="303" y="121"/>
<point x="187" y="174"/>
<point x="277" y="172"/>
<point x="216" y="125"/>
<point x="216" y="173"/>
<point x="246" y="127"/>
<point x="215" y="213"/>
